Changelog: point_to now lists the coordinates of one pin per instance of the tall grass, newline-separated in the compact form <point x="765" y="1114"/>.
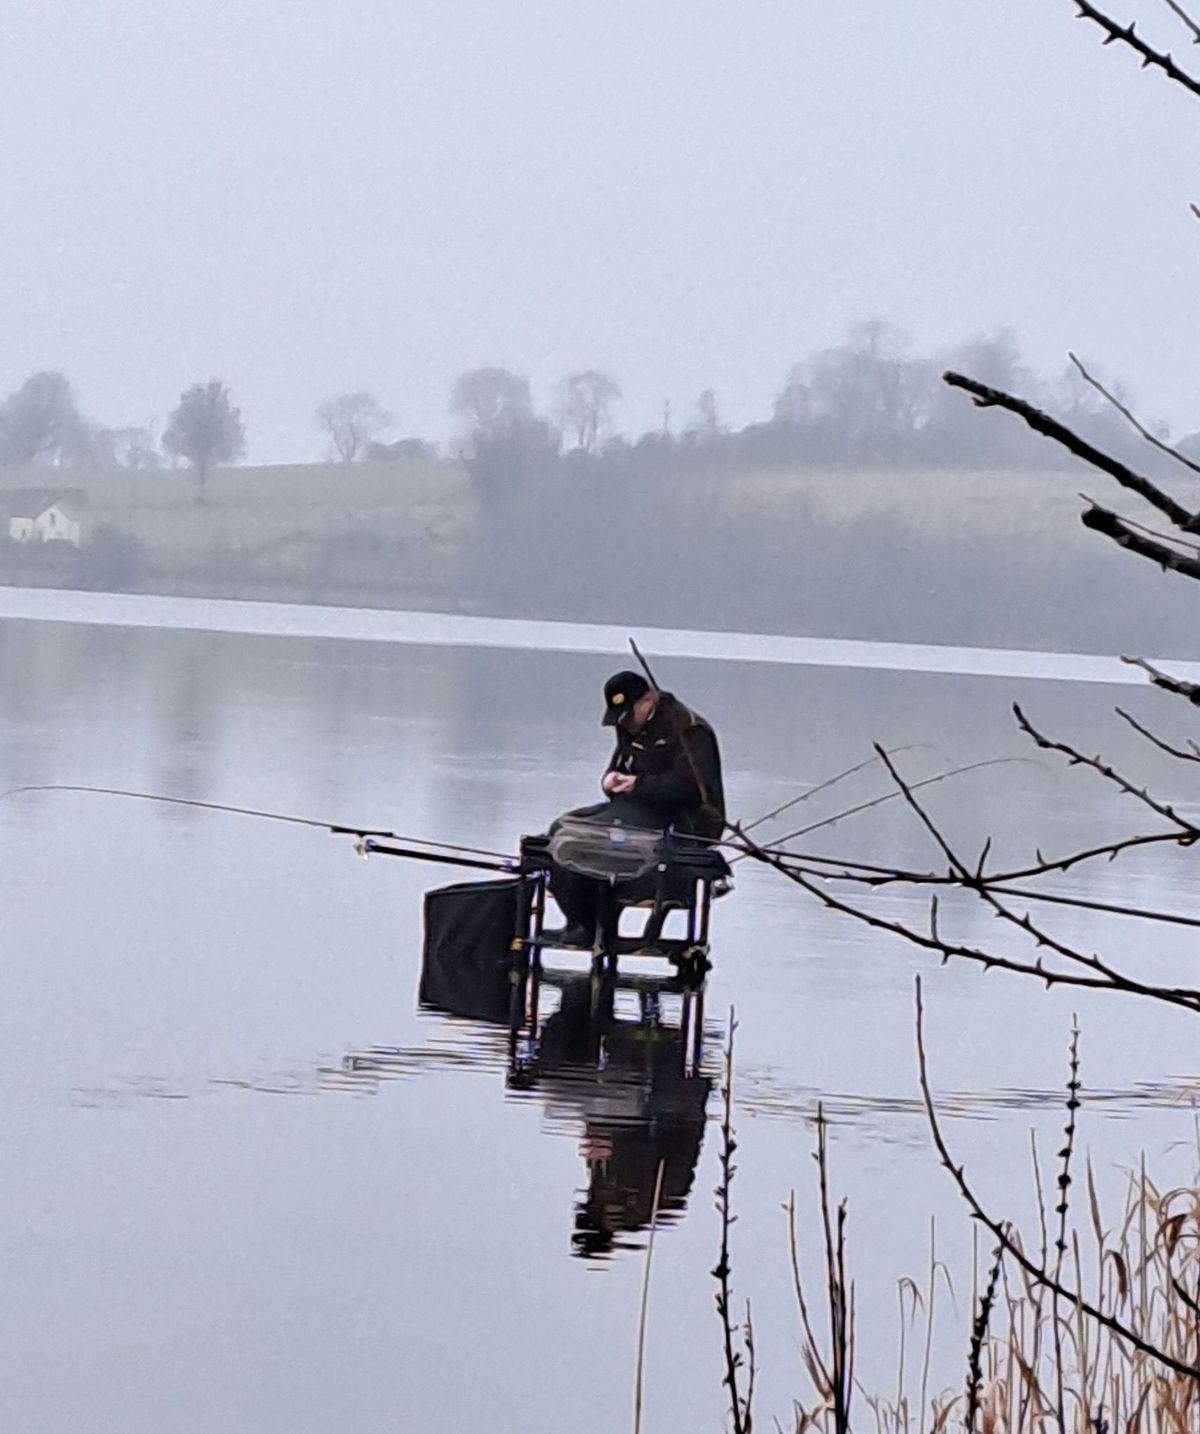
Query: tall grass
<point x="1035" y="1361"/>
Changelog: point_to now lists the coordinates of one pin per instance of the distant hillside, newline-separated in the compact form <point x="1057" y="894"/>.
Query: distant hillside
<point x="992" y="558"/>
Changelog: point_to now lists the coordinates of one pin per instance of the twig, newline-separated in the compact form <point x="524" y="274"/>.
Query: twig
<point x="1062" y="1209"/>
<point x="835" y="1278"/>
<point x="987" y="397"/>
<point x="1043" y="867"/>
<point x="852" y="873"/>
<point x="1171" y="540"/>
<point x="1187" y="20"/>
<point x="975" y="881"/>
<point x="739" y="1406"/>
<point x="1151" y="58"/>
<point x="988" y="960"/>
<point x="1163" y="746"/>
<point x="1111" y="525"/>
<point x="1076" y="758"/>
<point x="1011" y="1246"/>
<point x="1177" y="685"/>
<point x="978" y="1335"/>
<point x="641" y="1341"/>
<point x="1130" y="417"/>
<point x="812" y="1347"/>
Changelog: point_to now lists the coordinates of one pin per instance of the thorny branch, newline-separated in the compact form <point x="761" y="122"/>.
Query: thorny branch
<point x="1127" y="35"/>
<point x="1012" y="1246"/>
<point x="740" y="1405"/>
<point x="975" y="881"/>
<point x="1097" y="764"/>
<point x="934" y="941"/>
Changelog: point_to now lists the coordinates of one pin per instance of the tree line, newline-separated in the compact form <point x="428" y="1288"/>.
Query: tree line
<point x="868" y="401"/>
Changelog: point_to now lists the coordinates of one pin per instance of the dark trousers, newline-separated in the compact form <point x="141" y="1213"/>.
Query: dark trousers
<point x="595" y="905"/>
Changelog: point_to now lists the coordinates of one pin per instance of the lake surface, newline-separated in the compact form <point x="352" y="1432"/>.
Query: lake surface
<point x="249" y="1187"/>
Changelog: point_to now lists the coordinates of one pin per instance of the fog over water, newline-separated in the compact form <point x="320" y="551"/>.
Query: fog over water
<point x="689" y="196"/>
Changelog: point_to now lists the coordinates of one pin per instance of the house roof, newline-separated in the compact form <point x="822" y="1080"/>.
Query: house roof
<point x="33" y="502"/>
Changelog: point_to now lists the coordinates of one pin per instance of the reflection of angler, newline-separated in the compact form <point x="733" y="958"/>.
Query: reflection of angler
<point x="638" y="1108"/>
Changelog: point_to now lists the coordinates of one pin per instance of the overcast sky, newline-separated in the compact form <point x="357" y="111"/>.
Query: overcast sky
<point x="304" y="197"/>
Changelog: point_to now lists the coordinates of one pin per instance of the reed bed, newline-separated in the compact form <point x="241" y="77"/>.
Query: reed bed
<point x="1089" y="1324"/>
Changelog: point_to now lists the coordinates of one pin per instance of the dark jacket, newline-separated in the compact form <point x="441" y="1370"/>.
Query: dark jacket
<point x="677" y="762"/>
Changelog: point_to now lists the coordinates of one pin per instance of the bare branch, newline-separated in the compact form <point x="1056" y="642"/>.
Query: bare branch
<point x="1187" y="20"/>
<point x="1043" y="867"/>
<point x="1097" y="764"/>
<point x="987" y="397"/>
<point x="1151" y="58"/>
<point x="935" y="942"/>
<point x="975" y="881"/>
<point x="740" y="1408"/>
<point x="1177" y="685"/>
<point x="1192" y="756"/>
<point x="1190" y="545"/>
<point x="1102" y="520"/>
<point x="850" y="873"/>
<point x="1012" y="1247"/>
<point x="1131" y="418"/>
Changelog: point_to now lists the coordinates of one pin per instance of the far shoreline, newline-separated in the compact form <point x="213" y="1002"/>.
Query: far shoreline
<point x="418" y="627"/>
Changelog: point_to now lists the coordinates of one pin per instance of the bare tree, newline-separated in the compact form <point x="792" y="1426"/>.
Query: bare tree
<point x="352" y="422"/>
<point x="205" y="429"/>
<point x="867" y="391"/>
<point x="584" y="406"/>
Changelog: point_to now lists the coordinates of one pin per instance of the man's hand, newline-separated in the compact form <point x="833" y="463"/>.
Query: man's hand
<point x="619" y="784"/>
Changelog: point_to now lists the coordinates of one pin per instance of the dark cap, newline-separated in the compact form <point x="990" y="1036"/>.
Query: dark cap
<point x="620" y="693"/>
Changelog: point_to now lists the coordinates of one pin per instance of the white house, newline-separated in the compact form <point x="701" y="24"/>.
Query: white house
<point x="55" y="524"/>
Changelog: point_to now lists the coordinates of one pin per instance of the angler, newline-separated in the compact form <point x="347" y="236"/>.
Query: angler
<point x="665" y="772"/>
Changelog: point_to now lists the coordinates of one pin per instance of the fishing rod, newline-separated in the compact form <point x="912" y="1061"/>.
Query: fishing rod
<point x="776" y="847"/>
<point x="826" y="784"/>
<point x="803" y="796"/>
<point x="455" y="854"/>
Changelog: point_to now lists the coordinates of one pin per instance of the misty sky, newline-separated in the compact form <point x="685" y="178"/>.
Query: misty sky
<point x="305" y="197"/>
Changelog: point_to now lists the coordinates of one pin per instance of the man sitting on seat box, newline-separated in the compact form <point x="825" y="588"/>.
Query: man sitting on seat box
<point x="666" y="768"/>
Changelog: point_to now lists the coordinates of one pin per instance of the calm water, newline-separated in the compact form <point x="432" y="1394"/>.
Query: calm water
<point x="250" y="1188"/>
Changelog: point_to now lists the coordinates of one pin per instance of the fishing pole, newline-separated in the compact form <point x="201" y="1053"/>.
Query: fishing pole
<point x="794" y="801"/>
<point x="825" y="786"/>
<point x="367" y="835"/>
<point x="369" y="847"/>
<point x="701" y="788"/>
<point x="776" y="848"/>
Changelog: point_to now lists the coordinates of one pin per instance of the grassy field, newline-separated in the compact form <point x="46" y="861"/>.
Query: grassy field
<point x="249" y="507"/>
<point x="977" y="557"/>
<point x="932" y="502"/>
